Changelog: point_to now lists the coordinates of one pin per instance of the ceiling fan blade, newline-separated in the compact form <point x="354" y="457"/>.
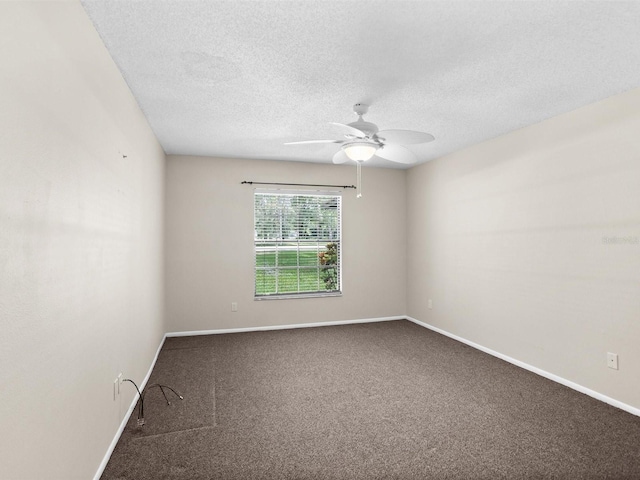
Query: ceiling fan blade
<point x="406" y="137"/>
<point x="340" y="157"/>
<point x="396" y="153"/>
<point x="350" y="129"/>
<point x="305" y="142"/>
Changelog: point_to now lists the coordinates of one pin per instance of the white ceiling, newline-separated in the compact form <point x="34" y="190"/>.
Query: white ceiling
<point x="239" y="78"/>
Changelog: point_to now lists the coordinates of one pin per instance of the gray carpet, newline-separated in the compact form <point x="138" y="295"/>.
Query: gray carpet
<point x="385" y="400"/>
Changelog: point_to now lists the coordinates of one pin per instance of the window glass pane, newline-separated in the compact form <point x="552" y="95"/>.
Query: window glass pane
<point x="287" y="280"/>
<point x="309" y="254"/>
<point x="329" y="278"/>
<point x="287" y="256"/>
<point x="265" y="282"/>
<point x="265" y="258"/>
<point x="310" y="280"/>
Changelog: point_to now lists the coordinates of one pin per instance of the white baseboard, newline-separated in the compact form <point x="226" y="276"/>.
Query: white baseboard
<point x="531" y="368"/>
<point x="123" y="424"/>
<point x="283" y="327"/>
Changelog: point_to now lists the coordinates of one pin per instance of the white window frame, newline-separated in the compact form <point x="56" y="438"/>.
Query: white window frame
<point x="309" y="294"/>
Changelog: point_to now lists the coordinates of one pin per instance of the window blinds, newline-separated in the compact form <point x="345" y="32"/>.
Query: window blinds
<point x="297" y="244"/>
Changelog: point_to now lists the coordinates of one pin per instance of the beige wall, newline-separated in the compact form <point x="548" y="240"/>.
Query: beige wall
<point x="209" y="244"/>
<point x="509" y="240"/>
<point x="80" y="242"/>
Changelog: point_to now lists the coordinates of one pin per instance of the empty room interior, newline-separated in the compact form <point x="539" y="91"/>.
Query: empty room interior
<point x="319" y="240"/>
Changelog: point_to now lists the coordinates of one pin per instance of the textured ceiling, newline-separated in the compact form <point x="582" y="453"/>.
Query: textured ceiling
<point x="238" y="79"/>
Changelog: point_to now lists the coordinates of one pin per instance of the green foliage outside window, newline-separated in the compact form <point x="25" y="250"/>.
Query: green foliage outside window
<point x="329" y="260"/>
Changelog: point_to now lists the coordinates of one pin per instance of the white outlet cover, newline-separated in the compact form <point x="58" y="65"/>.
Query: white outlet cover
<point x="612" y="360"/>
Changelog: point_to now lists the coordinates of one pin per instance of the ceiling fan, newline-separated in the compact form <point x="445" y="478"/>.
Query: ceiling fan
<point x="363" y="140"/>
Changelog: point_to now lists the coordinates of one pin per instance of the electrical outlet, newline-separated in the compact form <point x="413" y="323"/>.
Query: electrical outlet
<point x="115" y="389"/>
<point x="119" y="382"/>
<point x="429" y="304"/>
<point x="612" y="360"/>
<point x="234" y="306"/>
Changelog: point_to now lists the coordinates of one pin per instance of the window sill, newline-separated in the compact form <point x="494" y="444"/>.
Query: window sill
<point x="289" y="296"/>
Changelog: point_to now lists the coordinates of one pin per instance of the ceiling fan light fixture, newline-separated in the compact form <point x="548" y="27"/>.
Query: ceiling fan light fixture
<point x="360" y="151"/>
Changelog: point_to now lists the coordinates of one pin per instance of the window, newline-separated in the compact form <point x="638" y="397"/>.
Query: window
<point x="297" y="244"/>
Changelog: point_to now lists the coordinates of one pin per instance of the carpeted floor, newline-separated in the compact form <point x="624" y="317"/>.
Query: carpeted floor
<point x="388" y="400"/>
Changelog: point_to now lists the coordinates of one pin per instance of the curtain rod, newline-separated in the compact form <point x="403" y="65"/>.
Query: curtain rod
<point x="296" y="184"/>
